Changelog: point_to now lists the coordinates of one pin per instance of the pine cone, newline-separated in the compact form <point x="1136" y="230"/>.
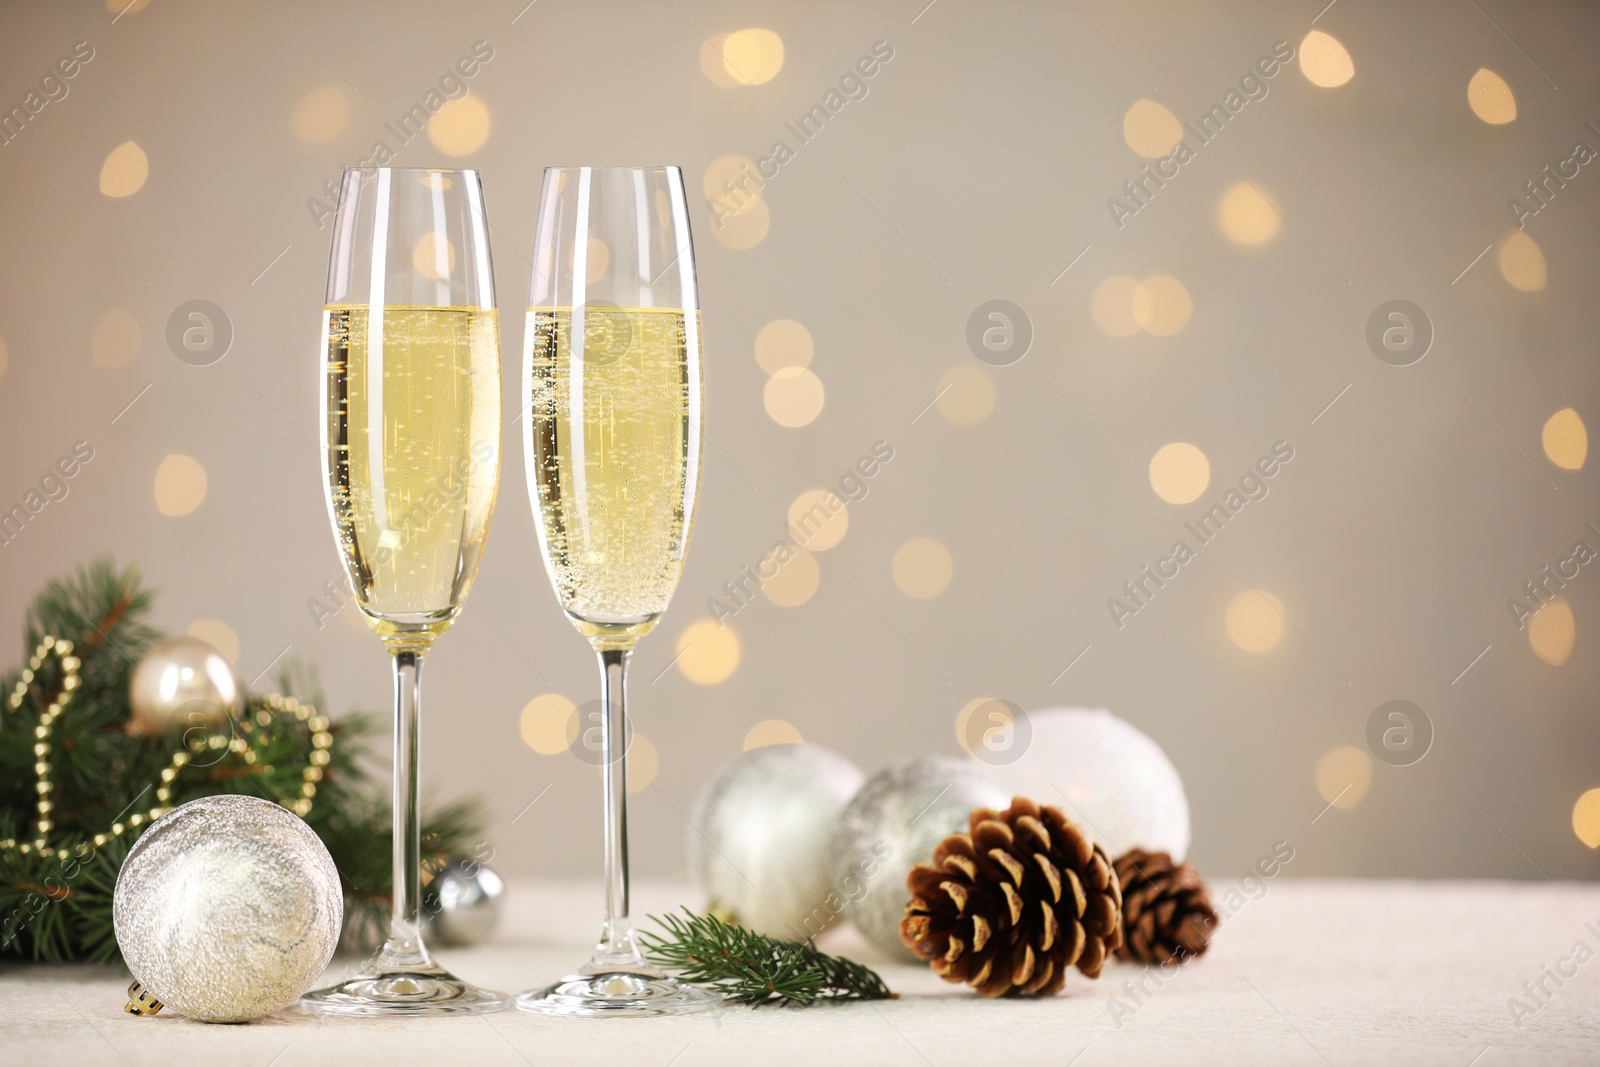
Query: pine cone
<point x="1009" y="906"/>
<point x="1166" y="908"/>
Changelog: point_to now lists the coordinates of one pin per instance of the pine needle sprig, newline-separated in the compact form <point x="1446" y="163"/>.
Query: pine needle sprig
<point x="751" y="968"/>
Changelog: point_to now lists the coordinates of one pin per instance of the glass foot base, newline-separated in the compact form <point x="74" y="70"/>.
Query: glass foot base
<point x="617" y="993"/>
<point x="404" y="993"/>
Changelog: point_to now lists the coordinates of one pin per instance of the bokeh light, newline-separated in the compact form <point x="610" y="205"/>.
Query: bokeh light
<point x="1255" y="620"/>
<point x="796" y="580"/>
<point x="1490" y="98"/>
<point x="1325" y="61"/>
<point x="1552" y="631"/>
<point x="1161" y="305"/>
<point x="219" y="635"/>
<point x="713" y="65"/>
<point x="735" y="170"/>
<point x="1522" y="262"/>
<point x="1111" y="306"/>
<point x="745" y="228"/>
<point x="966" y="396"/>
<point x="116" y="339"/>
<point x="793" y="397"/>
<point x="320" y="115"/>
<point x="772" y="732"/>
<point x="1150" y="129"/>
<point x="922" y="568"/>
<point x="1586" y="818"/>
<point x="180" y="485"/>
<point x="783" y="343"/>
<point x="125" y="170"/>
<point x="818" y="519"/>
<point x="597" y="259"/>
<point x="549" y="724"/>
<point x="964" y="719"/>
<point x="1179" y="472"/>
<point x="708" y="653"/>
<point x="1566" y="440"/>
<point x="1245" y="217"/>
<point x="644" y="762"/>
<point x="752" y="57"/>
<point x="434" y="256"/>
<point x="460" y="127"/>
<point x="1343" y="774"/>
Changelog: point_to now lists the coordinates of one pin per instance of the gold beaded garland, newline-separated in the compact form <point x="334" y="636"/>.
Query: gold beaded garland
<point x="272" y="704"/>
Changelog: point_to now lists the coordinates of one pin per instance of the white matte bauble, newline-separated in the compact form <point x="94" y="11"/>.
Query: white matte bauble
<point x="759" y="834"/>
<point x="227" y="908"/>
<point x="893" y="824"/>
<point x="182" y="682"/>
<point x="1105" y="775"/>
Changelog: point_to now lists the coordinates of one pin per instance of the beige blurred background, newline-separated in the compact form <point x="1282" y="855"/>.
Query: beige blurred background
<point x="186" y="159"/>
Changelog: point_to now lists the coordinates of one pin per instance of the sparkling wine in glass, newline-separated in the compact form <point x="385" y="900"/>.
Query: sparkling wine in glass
<point x="611" y="440"/>
<point x="411" y="454"/>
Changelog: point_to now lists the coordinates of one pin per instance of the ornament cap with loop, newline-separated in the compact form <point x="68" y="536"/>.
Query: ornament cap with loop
<point x="141" y="1001"/>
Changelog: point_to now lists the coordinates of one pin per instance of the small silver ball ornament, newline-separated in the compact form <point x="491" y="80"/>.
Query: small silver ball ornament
<point x="228" y="908"/>
<point x="891" y="825"/>
<point x="759" y="836"/>
<point x="181" y="682"/>
<point x="461" y="903"/>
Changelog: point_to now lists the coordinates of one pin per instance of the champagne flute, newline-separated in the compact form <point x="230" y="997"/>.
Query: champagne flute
<point x="611" y="443"/>
<point x="411" y="452"/>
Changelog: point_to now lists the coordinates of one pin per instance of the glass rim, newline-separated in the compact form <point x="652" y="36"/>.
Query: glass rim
<point x="413" y="170"/>
<point x="655" y="167"/>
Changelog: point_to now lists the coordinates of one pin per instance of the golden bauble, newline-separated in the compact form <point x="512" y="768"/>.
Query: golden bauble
<point x="182" y="683"/>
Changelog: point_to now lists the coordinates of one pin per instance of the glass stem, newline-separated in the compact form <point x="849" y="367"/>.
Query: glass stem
<point x="616" y="949"/>
<point x="404" y="949"/>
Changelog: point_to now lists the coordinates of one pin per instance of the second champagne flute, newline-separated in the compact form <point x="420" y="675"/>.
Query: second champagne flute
<point x="612" y="446"/>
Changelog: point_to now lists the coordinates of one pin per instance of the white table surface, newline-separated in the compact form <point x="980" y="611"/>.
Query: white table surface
<point x="1313" y="972"/>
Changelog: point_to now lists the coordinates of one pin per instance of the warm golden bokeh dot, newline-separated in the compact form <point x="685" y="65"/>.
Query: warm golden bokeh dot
<point x="818" y="519"/>
<point x="643" y="763"/>
<point x="124" y="171"/>
<point x="736" y="171"/>
<point x="783" y="343"/>
<point x="1179" y="472"/>
<point x="1150" y="129"/>
<point x="708" y="653"/>
<point x="549" y="724"/>
<point x="1522" y="263"/>
<point x="1324" y="61"/>
<point x="219" y="635"/>
<point x="1552" y="632"/>
<point x="713" y="66"/>
<point x="180" y="484"/>
<point x="320" y="115"/>
<point x="772" y="732"/>
<point x="597" y="260"/>
<point x="966" y="396"/>
<point x="434" y="256"/>
<point x="1491" y="98"/>
<point x="796" y="580"/>
<point x="922" y="568"/>
<point x="116" y="339"/>
<point x="745" y="228"/>
<point x="1111" y="306"/>
<point x="460" y="127"/>
<point x="1586" y="818"/>
<point x="1343" y="775"/>
<point x="1255" y="620"/>
<point x="752" y="57"/>
<point x="1161" y="305"/>
<point x="1245" y="217"/>
<point x="793" y="397"/>
<point x="964" y="721"/>
<point x="1566" y="440"/>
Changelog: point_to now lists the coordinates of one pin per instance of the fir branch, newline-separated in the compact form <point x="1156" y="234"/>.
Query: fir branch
<point x="751" y="968"/>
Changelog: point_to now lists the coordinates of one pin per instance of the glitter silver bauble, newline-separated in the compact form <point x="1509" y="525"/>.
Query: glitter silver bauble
<point x="227" y="908"/>
<point x="181" y="682"/>
<point x="759" y="836"/>
<point x="891" y="825"/>
<point x="1106" y="776"/>
<point x="461" y="903"/>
